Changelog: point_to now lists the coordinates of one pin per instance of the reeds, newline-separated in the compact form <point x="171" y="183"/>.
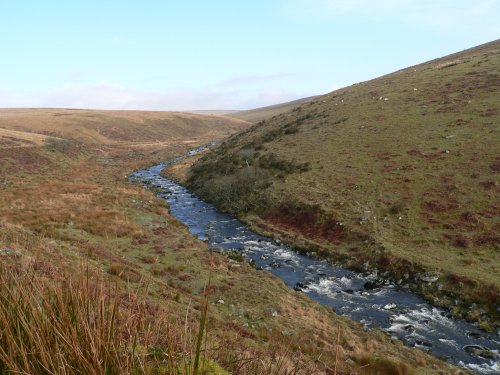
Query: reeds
<point x="86" y="325"/>
<point x="61" y="327"/>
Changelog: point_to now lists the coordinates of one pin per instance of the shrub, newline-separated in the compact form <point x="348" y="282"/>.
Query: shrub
<point x="64" y="146"/>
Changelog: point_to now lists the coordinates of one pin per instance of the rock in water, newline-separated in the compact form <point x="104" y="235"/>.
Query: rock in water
<point x="480" y="351"/>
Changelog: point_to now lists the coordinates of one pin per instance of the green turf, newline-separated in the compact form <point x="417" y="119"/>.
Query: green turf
<point x="401" y="171"/>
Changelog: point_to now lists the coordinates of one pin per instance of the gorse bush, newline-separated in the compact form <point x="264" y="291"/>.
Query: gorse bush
<point x="241" y="192"/>
<point x="64" y="146"/>
<point x="272" y="161"/>
<point x="238" y="182"/>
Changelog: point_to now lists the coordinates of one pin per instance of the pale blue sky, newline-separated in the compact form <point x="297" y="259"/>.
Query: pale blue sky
<point x="219" y="54"/>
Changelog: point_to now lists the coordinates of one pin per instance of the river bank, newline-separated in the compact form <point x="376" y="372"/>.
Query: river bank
<point x="395" y="309"/>
<point x="463" y="297"/>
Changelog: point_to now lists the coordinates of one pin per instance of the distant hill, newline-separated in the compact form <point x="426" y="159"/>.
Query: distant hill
<point x="264" y="113"/>
<point x="400" y="173"/>
<point x="113" y="127"/>
<point x="214" y="112"/>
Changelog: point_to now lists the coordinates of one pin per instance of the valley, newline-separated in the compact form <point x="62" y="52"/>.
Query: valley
<point x="396" y="175"/>
<point x="107" y="253"/>
<point x="306" y="187"/>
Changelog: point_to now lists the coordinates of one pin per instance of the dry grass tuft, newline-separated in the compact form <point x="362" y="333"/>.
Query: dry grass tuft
<point x="64" y="327"/>
<point x="85" y="325"/>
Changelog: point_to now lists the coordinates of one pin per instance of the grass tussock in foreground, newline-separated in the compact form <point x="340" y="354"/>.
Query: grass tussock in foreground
<point x="64" y="327"/>
<point x="72" y="325"/>
<point x="85" y="325"/>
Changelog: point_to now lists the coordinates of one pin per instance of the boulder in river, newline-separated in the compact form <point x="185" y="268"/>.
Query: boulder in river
<point x="475" y="335"/>
<point x="299" y="287"/>
<point x="369" y="285"/>
<point x="480" y="351"/>
<point x="409" y="328"/>
<point x="423" y="343"/>
<point x="275" y="264"/>
<point x="429" y="277"/>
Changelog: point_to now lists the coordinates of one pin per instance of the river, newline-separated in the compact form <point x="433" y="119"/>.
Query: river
<point x="392" y="308"/>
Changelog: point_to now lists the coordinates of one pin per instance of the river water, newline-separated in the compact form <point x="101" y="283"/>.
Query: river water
<point x="394" y="309"/>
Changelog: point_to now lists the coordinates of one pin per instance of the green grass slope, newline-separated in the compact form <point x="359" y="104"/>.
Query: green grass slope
<point x="264" y="113"/>
<point x="400" y="173"/>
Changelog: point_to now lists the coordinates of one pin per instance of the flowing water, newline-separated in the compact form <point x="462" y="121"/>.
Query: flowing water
<point x="395" y="309"/>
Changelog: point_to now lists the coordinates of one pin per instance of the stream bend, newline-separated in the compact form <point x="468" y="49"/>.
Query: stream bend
<point x="401" y="313"/>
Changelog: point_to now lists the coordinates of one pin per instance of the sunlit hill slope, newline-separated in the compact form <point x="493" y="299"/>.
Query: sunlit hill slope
<point x="400" y="174"/>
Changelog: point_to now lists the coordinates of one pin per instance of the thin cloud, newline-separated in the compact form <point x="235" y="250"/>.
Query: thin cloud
<point x="105" y="95"/>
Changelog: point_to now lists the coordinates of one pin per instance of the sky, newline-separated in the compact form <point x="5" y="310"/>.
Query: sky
<point x="220" y="54"/>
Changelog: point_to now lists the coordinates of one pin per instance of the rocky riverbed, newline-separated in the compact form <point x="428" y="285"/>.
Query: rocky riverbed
<point x="367" y="298"/>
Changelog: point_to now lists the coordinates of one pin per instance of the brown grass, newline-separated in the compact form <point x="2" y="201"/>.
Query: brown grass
<point x="13" y="138"/>
<point x="115" y="127"/>
<point x="61" y="206"/>
<point x="71" y="326"/>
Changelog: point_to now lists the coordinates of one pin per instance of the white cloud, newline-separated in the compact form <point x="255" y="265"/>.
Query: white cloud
<point x="106" y="95"/>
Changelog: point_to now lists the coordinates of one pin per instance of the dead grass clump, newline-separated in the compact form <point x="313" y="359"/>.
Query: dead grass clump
<point x="107" y="223"/>
<point x="116" y="269"/>
<point x="462" y="241"/>
<point x="381" y="366"/>
<point x="469" y="217"/>
<point x="487" y="239"/>
<point x="124" y="272"/>
<point x="488" y="185"/>
<point x="149" y="259"/>
<point x="158" y="271"/>
<point x="279" y="361"/>
<point x="495" y="167"/>
<point x="84" y="325"/>
<point x="440" y="206"/>
<point x="185" y="277"/>
<point x="69" y="327"/>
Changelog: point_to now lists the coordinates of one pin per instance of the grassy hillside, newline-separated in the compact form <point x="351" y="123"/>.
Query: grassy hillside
<point x="264" y="113"/>
<point x="97" y="277"/>
<point x="400" y="173"/>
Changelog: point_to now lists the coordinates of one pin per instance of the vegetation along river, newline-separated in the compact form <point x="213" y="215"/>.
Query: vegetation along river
<point x="394" y="309"/>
